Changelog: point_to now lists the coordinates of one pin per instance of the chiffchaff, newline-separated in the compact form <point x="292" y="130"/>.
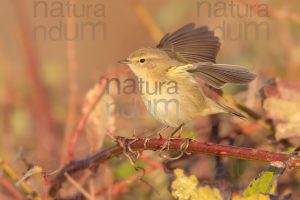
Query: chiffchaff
<point x="171" y="70"/>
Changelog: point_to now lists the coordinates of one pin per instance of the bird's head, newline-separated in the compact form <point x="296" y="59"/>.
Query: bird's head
<point x="148" y="61"/>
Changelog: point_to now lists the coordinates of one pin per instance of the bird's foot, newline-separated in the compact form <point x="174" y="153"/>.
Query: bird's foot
<point x="132" y="155"/>
<point x="183" y="149"/>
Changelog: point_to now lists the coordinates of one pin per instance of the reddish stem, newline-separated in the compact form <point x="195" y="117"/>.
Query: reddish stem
<point x="40" y="104"/>
<point x="11" y="189"/>
<point x="194" y="147"/>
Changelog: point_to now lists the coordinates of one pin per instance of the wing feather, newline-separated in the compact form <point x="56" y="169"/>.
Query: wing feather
<point x="191" y="45"/>
<point x="217" y="75"/>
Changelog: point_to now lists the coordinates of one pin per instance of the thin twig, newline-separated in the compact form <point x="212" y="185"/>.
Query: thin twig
<point x="11" y="189"/>
<point x="123" y="185"/>
<point x="40" y="104"/>
<point x="195" y="147"/>
<point x="73" y="86"/>
<point x="9" y="91"/>
<point x="43" y="124"/>
<point x="14" y="178"/>
<point x="78" y="186"/>
<point x="80" y="165"/>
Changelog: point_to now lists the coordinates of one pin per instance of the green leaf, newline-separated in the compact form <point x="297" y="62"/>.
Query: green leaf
<point x="265" y="183"/>
<point x="252" y="197"/>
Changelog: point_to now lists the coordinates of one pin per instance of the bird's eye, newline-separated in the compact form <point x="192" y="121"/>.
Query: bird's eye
<point x="142" y="60"/>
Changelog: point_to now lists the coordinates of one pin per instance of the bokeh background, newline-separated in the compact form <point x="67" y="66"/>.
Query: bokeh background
<point x="51" y="64"/>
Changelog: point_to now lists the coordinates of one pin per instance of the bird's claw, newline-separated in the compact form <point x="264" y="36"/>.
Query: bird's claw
<point x="183" y="149"/>
<point x="132" y="155"/>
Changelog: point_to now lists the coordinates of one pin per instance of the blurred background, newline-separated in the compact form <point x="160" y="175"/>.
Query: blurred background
<point x="53" y="53"/>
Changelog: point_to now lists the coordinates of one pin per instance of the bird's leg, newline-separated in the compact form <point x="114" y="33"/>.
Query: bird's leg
<point x="162" y="129"/>
<point x="176" y="130"/>
<point x="168" y="141"/>
<point x="180" y="132"/>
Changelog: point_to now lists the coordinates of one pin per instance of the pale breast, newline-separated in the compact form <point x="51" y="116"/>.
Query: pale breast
<point x="174" y="103"/>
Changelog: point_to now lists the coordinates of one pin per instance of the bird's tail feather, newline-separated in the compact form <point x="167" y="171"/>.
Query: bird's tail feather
<point x="232" y="111"/>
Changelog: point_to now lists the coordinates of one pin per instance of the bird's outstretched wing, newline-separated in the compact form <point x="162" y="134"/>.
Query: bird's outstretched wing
<point x="191" y="45"/>
<point x="217" y="75"/>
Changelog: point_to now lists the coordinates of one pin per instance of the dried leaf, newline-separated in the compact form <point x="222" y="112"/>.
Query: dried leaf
<point x="100" y="120"/>
<point x="281" y="101"/>
<point x="281" y="109"/>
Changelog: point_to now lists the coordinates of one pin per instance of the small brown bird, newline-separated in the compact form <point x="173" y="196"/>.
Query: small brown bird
<point x="169" y="73"/>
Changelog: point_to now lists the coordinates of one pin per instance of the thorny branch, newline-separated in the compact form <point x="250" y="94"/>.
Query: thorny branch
<point x="185" y="146"/>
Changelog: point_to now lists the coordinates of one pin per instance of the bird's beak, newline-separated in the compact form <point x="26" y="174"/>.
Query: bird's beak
<point x="124" y="62"/>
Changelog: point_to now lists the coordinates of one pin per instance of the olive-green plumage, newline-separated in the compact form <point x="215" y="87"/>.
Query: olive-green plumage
<point x="171" y="70"/>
